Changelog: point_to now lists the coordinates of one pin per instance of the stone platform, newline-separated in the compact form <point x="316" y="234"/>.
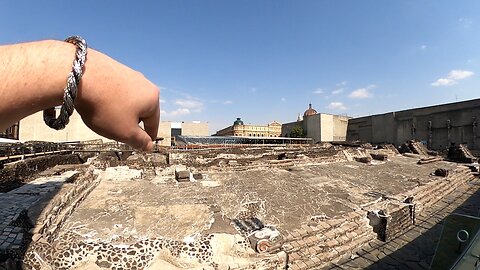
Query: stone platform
<point x="317" y="209"/>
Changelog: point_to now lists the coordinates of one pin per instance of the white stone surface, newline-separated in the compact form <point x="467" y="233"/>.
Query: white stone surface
<point x="122" y="173"/>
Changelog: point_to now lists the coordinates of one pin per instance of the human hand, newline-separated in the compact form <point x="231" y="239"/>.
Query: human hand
<point x="113" y="99"/>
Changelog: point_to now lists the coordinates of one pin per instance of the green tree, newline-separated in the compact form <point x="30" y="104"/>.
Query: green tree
<point x="297" y="132"/>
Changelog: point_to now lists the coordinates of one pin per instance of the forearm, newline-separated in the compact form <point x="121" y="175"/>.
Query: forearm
<point x="32" y="77"/>
<point x="112" y="98"/>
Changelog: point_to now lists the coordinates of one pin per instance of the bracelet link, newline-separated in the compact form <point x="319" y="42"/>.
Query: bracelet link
<point x="71" y="89"/>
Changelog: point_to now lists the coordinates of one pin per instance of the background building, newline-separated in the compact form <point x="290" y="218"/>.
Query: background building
<point x="240" y="129"/>
<point x="33" y="128"/>
<point x="436" y="126"/>
<point x="321" y="127"/>
<point x="169" y="130"/>
<point x="11" y="132"/>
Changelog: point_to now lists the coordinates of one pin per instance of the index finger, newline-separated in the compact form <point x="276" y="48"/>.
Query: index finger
<point x="150" y="124"/>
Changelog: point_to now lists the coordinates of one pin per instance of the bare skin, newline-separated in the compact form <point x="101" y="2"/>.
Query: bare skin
<point x="112" y="98"/>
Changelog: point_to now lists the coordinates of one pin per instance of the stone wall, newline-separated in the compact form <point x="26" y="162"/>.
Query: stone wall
<point x="319" y="243"/>
<point x="48" y="223"/>
<point x="17" y="173"/>
<point x="436" y="126"/>
<point x="33" y="214"/>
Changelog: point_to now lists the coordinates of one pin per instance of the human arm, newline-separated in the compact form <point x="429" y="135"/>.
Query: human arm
<point x="112" y="98"/>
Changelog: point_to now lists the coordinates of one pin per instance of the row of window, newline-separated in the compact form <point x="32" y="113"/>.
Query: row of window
<point x="257" y="135"/>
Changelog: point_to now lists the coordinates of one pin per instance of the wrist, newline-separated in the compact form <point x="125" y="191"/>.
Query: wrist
<point x="56" y="64"/>
<point x="49" y="63"/>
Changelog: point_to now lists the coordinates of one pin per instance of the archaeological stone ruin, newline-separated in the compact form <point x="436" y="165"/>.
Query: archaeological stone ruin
<point x="290" y="206"/>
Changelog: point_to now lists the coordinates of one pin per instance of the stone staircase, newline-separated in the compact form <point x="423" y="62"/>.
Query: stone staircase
<point x="316" y="246"/>
<point x="37" y="210"/>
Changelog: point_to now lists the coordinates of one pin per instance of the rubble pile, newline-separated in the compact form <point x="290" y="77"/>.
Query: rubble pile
<point x="461" y="153"/>
<point x="414" y="147"/>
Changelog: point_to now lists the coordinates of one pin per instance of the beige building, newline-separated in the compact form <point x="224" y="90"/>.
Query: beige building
<point x="238" y="128"/>
<point x="321" y="127"/>
<point x="168" y="130"/>
<point x="33" y="128"/>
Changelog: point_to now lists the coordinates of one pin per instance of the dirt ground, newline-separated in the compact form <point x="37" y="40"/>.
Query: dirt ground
<point x="159" y="206"/>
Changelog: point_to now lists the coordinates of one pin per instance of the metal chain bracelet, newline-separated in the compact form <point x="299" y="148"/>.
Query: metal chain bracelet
<point x="70" y="91"/>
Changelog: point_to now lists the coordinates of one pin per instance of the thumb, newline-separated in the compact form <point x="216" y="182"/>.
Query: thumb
<point x="139" y="139"/>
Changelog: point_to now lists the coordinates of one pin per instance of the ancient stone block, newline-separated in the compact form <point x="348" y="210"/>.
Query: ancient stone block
<point x="366" y="159"/>
<point x="182" y="175"/>
<point x="381" y="157"/>
<point x="198" y="176"/>
<point x="441" y="172"/>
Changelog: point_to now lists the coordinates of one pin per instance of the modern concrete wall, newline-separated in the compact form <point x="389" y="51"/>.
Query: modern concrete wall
<point x="437" y="126"/>
<point x="195" y="129"/>
<point x="165" y="132"/>
<point x="33" y="128"/>
<point x="187" y="129"/>
<point x="340" y="123"/>
<point x="313" y="127"/>
<point x="327" y="128"/>
<point x="320" y="127"/>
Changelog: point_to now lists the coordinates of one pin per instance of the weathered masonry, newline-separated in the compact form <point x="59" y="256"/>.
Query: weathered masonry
<point x="436" y="126"/>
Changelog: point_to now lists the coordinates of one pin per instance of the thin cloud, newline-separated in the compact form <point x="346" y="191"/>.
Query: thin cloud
<point x="162" y="101"/>
<point x="177" y="112"/>
<point x="453" y="77"/>
<point x="340" y="84"/>
<point x="180" y="112"/>
<point x="336" y="106"/>
<point x="190" y="104"/>
<point x="362" y="93"/>
<point x="253" y="90"/>
<point x="443" y="82"/>
<point x="338" y="91"/>
<point x="465" y="22"/>
<point x="423" y="47"/>
<point x="318" y="91"/>
<point x="283" y="99"/>
<point x="226" y="102"/>
<point x="184" y="107"/>
<point x="459" y="74"/>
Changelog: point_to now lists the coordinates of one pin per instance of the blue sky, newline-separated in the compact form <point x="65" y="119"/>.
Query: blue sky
<point x="267" y="60"/>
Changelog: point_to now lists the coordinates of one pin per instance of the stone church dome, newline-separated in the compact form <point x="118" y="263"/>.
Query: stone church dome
<point x="238" y="122"/>
<point x="310" y="111"/>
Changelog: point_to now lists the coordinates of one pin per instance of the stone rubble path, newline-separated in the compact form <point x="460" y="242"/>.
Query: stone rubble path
<point x="415" y="248"/>
<point x="14" y="206"/>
